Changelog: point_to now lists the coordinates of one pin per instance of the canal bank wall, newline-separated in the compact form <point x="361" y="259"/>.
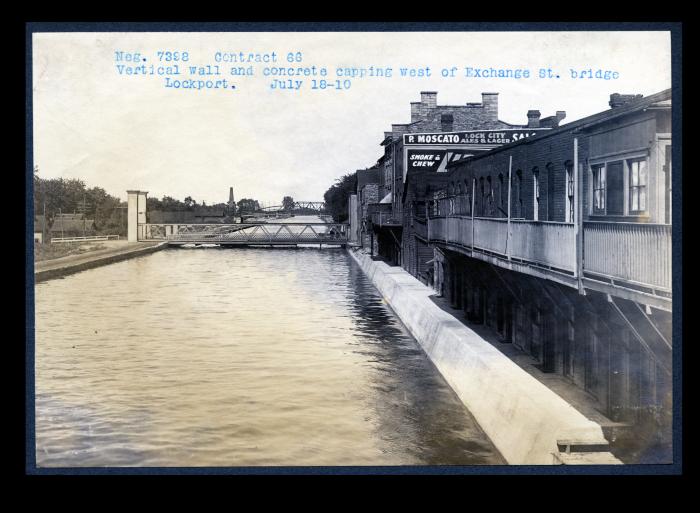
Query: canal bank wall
<point x="527" y="422"/>
<point x="59" y="267"/>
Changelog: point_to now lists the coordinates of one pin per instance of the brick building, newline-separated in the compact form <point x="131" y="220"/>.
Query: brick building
<point x="367" y="193"/>
<point x="428" y="117"/>
<point x="561" y="244"/>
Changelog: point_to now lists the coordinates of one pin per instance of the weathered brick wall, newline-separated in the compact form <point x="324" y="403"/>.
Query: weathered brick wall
<point x="549" y="155"/>
<point x="368" y="194"/>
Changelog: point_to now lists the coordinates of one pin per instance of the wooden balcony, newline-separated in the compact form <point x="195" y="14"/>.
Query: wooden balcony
<point x="637" y="253"/>
<point x="628" y="255"/>
<point x="545" y="243"/>
<point x="382" y="214"/>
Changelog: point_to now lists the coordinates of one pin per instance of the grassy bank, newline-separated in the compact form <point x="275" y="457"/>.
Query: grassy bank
<point x="50" y="251"/>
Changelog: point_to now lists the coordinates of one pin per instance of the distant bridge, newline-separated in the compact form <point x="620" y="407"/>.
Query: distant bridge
<point x="316" y="206"/>
<point x="247" y="234"/>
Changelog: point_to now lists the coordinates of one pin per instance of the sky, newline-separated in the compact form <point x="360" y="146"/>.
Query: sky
<point x="120" y="132"/>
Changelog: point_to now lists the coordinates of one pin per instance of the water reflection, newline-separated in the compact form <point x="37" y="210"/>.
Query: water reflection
<point x="234" y="357"/>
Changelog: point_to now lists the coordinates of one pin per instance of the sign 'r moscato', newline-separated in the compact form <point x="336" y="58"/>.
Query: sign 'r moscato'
<point x="494" y="137"/>
<point x="433" y="151"/>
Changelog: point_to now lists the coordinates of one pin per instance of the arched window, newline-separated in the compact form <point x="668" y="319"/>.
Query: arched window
<point x="536" y="193"/>
<point x="519" y="193"/>
<point x="551" y="204"/>
<point x="467" y="198"/>
<point x="569" y="167"/>
<point x="502" y="196"/>
<point x="482" y="191"/>
<point x="489" y="195"/>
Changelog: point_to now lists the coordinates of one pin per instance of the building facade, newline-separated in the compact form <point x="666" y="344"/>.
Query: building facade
<point x="463" y="122"/>
<point x="559" y="244"/>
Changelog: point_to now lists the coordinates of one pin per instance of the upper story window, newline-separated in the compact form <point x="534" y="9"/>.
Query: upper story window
<point x="489" y="194"/>
<point x="637" y="186"/>
<point x="446" y="122"/>
<point x="482" y="203"/>
<point x="569" y="191"/>
<point x="620" y="187"/>
<point x="598" y="189"/>
<point x="536" y="191"/>
<point x="519" y="193"/>
<point x="502" y="193"/>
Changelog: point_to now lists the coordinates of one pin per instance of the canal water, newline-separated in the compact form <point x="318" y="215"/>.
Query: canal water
<point x="238" y="357"/>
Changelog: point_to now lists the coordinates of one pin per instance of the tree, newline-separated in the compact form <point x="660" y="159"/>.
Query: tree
<point x="64" y="196"/>
<point x="172" y="205"/>
<point x="336" y="197"/>
<point x="190" y="203"/>
<point x="248" y="205"/>
<point x="287" y="203"/>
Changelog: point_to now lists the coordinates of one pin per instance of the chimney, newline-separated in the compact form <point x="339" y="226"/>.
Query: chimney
<point x="561" y="114"/>
<point x="428" y="100"/>
<point x="533" y="118"/>
<point x="416" y="113"/>
<point x="399" y="129"/>
<point x="490" y="104"/>
<point x="618" y="100"/>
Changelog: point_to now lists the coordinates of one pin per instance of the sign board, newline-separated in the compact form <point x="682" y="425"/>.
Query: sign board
<point x="433" y="151"/>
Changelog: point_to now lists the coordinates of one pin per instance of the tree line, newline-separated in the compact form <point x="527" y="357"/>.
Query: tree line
<point x="53" y="196"/>
<point x="336" y="197"/>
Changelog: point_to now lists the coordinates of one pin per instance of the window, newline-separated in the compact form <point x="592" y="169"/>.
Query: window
<point x="446" y="122"/>
<point x="551" y="212"/>
<point x="483" y="196"/>
<point x="599" y="189"/>
<point x="468" y="198"/>
<point x="638" y="186"/>
<point x="489" y="195"/>
<point x="501" y="195"/>
<point x="569" y="191"/>
<point x="615" y="189"/>
<point x="519" y="192"/>
<point x="536" y="191"/>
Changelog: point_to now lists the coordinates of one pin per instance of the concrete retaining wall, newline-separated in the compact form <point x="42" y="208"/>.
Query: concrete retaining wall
<point x="522" y="417"/>
<point x="64" y="269"/>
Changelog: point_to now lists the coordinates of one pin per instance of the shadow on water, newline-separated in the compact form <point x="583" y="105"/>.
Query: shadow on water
<point x="409" y="387"/>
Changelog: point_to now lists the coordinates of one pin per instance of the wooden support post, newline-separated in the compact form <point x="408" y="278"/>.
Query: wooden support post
<point x="578" y="219"/>
<point x="510" y="168"/>
<point x="473" y="193"/>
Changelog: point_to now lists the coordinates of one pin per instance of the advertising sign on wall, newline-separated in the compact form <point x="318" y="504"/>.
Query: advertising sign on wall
<point x="432" y="151"/>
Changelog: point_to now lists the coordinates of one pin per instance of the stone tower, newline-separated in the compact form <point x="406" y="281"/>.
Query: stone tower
<point x="231" y="202"/>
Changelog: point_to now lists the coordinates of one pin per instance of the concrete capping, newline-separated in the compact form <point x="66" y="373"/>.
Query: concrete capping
<point x="523" y="418"/>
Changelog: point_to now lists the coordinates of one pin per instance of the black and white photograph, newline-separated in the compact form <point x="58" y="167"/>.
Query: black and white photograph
<point x="352" y="248"/>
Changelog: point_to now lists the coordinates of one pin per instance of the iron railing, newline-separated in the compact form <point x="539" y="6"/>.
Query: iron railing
<point x="84" y="239"/>
<point x="247" y="233"/>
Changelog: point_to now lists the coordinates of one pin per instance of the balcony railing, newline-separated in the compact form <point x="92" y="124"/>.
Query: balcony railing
<point x="544" y="243"/>
<point x="382" y="214"/>
<point x="635" y="253"/>
<point x="638" y="253"/>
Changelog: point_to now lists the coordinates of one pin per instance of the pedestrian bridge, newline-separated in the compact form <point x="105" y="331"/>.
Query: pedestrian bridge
<point x="246" y="234"/>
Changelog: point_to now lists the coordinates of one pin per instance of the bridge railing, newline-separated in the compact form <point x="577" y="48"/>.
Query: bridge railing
<point x="248" y="233"/>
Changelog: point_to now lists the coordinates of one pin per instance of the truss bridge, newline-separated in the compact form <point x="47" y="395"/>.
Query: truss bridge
<point x="247" y="234"/>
